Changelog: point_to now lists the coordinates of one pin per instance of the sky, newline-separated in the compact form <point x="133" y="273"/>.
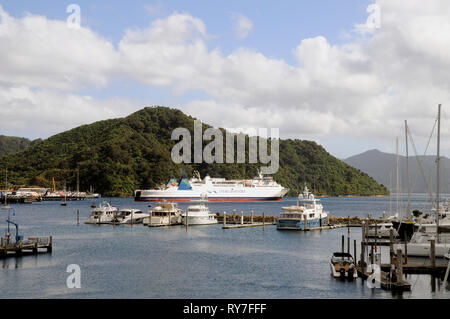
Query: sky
<point x="345" y="74"/>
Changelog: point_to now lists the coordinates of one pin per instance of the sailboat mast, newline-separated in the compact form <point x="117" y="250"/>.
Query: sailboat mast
<point x="408" y="213"/>
<point x="397" y="190"/>
<point x="6" y="186"/>
<point x="438" y="167"/>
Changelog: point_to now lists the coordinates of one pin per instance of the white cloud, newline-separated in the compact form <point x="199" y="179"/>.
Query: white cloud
<point x="42" y="112"/>
<point x="243" y="26"/>
<point x="360" y="90"/>
<point x="38" y="52"/>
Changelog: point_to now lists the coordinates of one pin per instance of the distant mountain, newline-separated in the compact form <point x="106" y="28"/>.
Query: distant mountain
<point x="12" y="144"/>
<point x="120" y="155"/>
<point x="382" y="167"/>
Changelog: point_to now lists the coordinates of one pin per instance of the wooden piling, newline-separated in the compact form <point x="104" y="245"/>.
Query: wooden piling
<point x="406" y="248"/>
<point x="50" y="245"/>
<point x="348" y="244"/>
<point x="399" y="266"/>
<point x="354" y="251"/>
<point x="343" y="245"/>
<point x="78" y="217"/>
<point x="242" y="217"/>
<point x="251" y="218"/>
<point x="264" y="222"/>
<point x="187" y="219"/>
<point x="433" y="253"/>
<point x="224" y="219"/>
<point x="363" y="257"/>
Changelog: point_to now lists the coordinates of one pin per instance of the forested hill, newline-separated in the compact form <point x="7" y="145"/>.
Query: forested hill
<point x="12" y="144"/>
<point x="120" y="155"/>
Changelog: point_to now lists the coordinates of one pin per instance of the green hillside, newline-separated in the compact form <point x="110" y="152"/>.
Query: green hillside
<point x="120" y="155"/>
<point x="12" y="144"/>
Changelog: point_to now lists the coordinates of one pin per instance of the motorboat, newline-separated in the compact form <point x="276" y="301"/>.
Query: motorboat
<point x="104" y="214"/>
<point x="130" y="216"/>
<point x="342" y="266"/>
<point x="199" y="214"/>
<point x="164" y="214"/>
<point x="308" y="213"/>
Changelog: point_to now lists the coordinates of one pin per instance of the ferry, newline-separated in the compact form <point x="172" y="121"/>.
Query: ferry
<point x="260" y="188"/>
<point x="307" y="214"/>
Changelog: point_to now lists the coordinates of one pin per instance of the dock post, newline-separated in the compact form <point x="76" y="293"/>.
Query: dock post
<point x="363" y="257"/>
<point x="264" y="222"/>
<point x="433" y="253"/>
<point x="50" y="245"/>
<point x="343" y="245"/>
<point x="187" y="220"/>
<point x="399" y="266"/>
<point x="242" y="217"/>
<point x="371" y="255"/>
<point x="78" y="217"/>
<point x="35" y="248"/>
<point x="406" y="248"/>
<point x="224" y="219"/>
<point x="354" y="252"/>
<point x="348" y="242"/>
<point x="251" y="218"/>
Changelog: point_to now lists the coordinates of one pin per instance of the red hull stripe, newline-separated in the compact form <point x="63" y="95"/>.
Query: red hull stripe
<point x="209" y="199"/>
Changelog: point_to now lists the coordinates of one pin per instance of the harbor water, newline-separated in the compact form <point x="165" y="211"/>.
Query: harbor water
<point x="198" y="262"/>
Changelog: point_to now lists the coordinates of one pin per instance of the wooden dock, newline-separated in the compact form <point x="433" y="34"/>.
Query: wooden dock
<point x="31" y="246"/>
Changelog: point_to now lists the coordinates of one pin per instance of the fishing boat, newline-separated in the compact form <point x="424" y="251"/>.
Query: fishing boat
<point x="164" y="214"/>
<point x="342" y="266"/>
<point x="261" y="188"/>
<point x="104" y="214"/>
<point x="308" y="213"/>
<point x="130" y="216"/>
<point x="199" y="214"/>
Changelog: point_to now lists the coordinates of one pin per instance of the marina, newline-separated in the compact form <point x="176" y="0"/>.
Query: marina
<point x="244" y="263"/>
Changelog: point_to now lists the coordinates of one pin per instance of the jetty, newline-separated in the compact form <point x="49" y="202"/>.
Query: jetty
<point x="31" y="246"/>
<point x="391" y="275"/>
<point x="234" y="220"/>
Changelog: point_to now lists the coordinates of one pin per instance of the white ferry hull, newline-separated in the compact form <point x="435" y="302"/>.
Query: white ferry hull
<point x="225" y="195"/>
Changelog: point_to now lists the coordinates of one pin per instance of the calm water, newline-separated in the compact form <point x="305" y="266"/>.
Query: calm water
<point x="203" y="262"/>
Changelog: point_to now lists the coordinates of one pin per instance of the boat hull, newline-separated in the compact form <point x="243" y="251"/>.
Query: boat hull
<point x="194" y="220"/>
<point x="211" y="199"/>
<point x="299" y="224"/>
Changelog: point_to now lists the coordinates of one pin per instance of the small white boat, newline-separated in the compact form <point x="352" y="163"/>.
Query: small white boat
<point x="130" y="216"/>
<point x="164" y="214"/>
<point x="381" y="230"/>
<point x="343" y="266"/>
<point x="104" y="214"/>
<point x="199" y="214"/>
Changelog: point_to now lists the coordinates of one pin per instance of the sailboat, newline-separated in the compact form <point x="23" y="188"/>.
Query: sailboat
<point x="405" y="227"/>
<point x="419" y="245"/>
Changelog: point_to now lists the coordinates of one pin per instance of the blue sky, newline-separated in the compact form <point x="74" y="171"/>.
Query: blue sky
<point x="311" y="68"/>
<point x="278" y="28"/>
